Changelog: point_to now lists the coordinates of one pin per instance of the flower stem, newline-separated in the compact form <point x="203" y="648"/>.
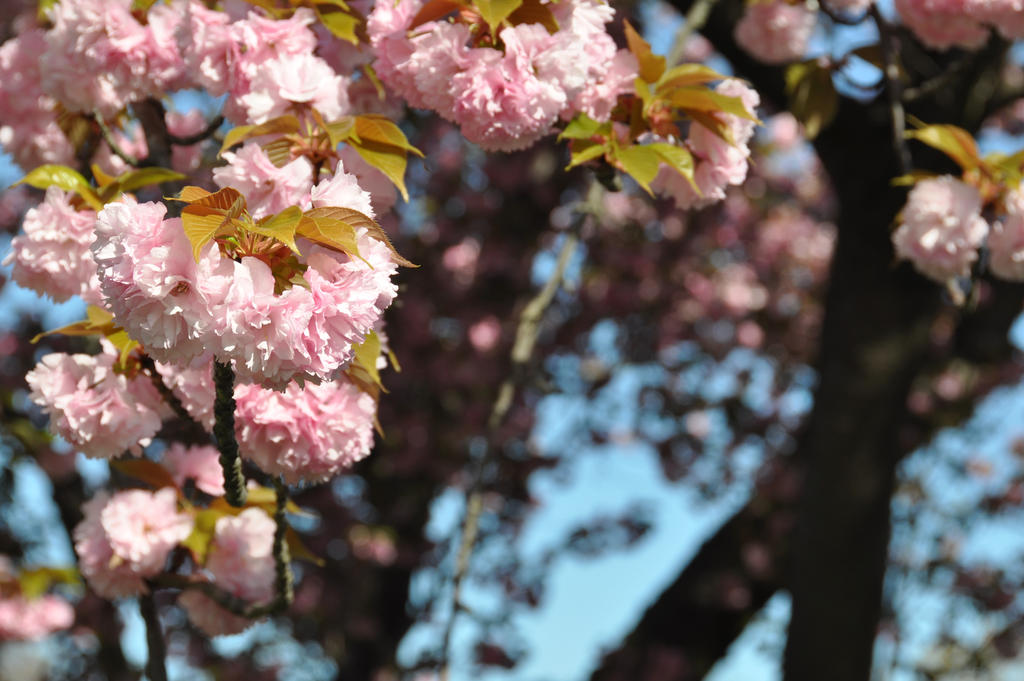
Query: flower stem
<point x="224" y="434"/>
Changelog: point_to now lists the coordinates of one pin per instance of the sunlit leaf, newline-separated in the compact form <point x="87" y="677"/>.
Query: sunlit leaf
<point x="641" y="163"/>
<point x="68" y="179"/>
<point x="685" y="75"/>
<point x="98" y="322"/>
<point x="359" y="220"/>
<point x="494" y="12"/>
<point x="281" y="226"/>
<point x="204" y="526"/>
<point x="281" y="125"/>
<point x="201" y="229"/>
<point x="381" y="129"/>
<point x="678" y="158"/>
<point x="955" y="142"/>
<point x="34" y="582"/>
<point x="340" y="23"/>
<point x="702" y="99"/>
<point x="366" y="354"/>
<point x="581" y="153"/>
<point x="651" y="65"/>
<point x="333" y="233"/>
<point x="338" y="131"/>
<point x="581" y="127"/>
<point x="386" y="158"/>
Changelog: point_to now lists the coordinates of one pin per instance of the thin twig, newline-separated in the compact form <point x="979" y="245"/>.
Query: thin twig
<point x="696" y="17"/>
<point x="156" y="662"/>
<point x="172" y="400"/>
<point x="224" y="433"/>
<point x="838" y="18"/>
<point x="108" y="137"/>
<point x="527" y="332"/>
<point x="894" y="89"/>
<point x="203" y="134"/>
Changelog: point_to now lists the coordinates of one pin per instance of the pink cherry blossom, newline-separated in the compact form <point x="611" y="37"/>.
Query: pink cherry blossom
<point x="240" y="561"/>
<point x="942" y="24"/>
<point x="99" y="57"/>
<point x="126" y="538"/>
<point x="717" y="164"/>
<point x="52" y="257"/>
<point x="28" y="125"/>
<point x="150" y="279"/>
<point x="33" y="618"/>
<point x="100" y="411"/>
<point x="267" y="188"/>
<point x="775" y="31"/>
<point x="941" y="228"/>
<point x="200" y="464"/>
<point x="305" y="434"/>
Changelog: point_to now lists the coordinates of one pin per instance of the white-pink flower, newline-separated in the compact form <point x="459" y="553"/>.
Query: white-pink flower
<point x="775" y="31"/>
<point x="100" y="411"/>
<point x="126" y="538"/>
<point x="52" y="257"/>
<point x="941" y="24"/>
<point x="200" y="464"/>
<point x="33" y="618"/>
<point x="240" y="561"/>
<point x="305" y="434"/>
<point x="941" y="228"/>
<point x="28" y="123"/>
<point x="267" y="188"/>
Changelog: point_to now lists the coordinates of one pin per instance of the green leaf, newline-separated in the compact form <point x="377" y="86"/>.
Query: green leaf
<point x="494" y="12"/>
<point x="330" y="232"/>
<point x="434" y="10"/>
<point x="678" y="158"/>
<point x="382" y="130"/>
<point x="34" y="582"/>
<point x="282" y="125"/>
<point x="685" y="75"/>
<point x="204" y="527"/>
<point x="586" y="153"/>
<point x="713" y="123"/>
<point x="338" y="131"/>
<point x="955" y="142"/>
<point x="143" y="177"/>
<point x="698" y="98"/>
<point x="641" y="163"/>
<point x="340" y="23"/>
<point x="281" y="226"/>
<point x="202" y="228"/>
<point x="149" y="472"/>
<point x="812" y="96"/>
<point x="581" y="127"/>
<point x="279" y="151"/>
<point x="359" y="220"/>
<point x="366" y="354"/>
<point x="68" y="179"/>
<point x="97" y="322"/>
<point x="651" y="65"/>
<point x="911" y="178"/>
<point x="386" y="158"/>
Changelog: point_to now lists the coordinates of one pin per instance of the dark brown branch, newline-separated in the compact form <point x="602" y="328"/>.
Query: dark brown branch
<point x="156" y="662"/>
<point x="224" y="433"/>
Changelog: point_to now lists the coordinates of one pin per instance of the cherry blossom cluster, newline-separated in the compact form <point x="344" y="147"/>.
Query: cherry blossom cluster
<point x="504" y="94"/>
<point x="775" y="31"/>
<point x="718" y="164"/>
<point x="942" y="24"/>
<point x="942" y="229"/>
<point x="28" y="617"/>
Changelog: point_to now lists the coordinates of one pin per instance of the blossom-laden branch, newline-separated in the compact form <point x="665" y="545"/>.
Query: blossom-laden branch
<point x="527" y="332"/>
<point x="224" y="433"/>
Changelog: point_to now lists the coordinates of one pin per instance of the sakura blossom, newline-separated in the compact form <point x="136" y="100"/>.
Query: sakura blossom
<point x="126" y="538"/>
<point x="268" y="189"/>
<point x="507" y="99"/>
<point x="240" y="561"/>
<point x="305" y="434"/>
<point x="775" y="32"/>
<point x="941" y="228"/>
<point x="33" y="618"/>
<point x="941" y="24"/>
<point x="717" y="164"/>
<point x="198" y="464"/>
<point x="99" y="410"/>
<point x="52" y="256"/>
